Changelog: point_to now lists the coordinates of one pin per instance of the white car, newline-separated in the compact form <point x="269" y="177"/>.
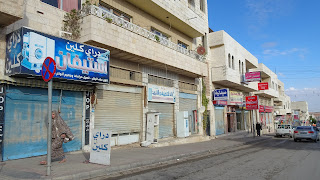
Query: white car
<point x="284" y="130"/>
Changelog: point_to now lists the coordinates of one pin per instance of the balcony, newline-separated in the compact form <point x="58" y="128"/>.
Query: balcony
<point x="231" y="78"/>
<point x="128" y="41"/>
<point x="10" y="11"/>
<point x="270" y="93"/>
<point x="125" y="76"/>
<point x="191" y="21"/>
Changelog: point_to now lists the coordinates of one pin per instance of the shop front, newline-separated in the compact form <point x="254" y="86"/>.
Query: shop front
<point x="26" y="95"/>
<point x="188" y="102"/>
<point x="220" y="101"/>
<point x="162" y="99"/>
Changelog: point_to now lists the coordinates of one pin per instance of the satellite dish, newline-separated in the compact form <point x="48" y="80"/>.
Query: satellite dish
<point x="201" y="50"/>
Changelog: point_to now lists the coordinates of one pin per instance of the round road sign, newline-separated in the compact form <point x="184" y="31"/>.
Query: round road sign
<point x="48" y="69"/>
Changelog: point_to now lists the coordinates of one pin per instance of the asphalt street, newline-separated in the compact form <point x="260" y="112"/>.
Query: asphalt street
<point x="276" y="159"/>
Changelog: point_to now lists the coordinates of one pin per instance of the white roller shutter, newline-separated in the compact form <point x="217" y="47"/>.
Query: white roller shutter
<point x="120" y="112"/>
<point x="165" y="118"/>
<point x="189" y="105"/>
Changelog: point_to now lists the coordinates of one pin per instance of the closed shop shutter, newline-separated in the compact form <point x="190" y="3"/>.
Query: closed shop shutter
<point x="120" y="112"/>
<point x="25" y="133"/>
<point x="165" y="118"/>
<point x="219" y="120"/>
<point x="189" y="105"/>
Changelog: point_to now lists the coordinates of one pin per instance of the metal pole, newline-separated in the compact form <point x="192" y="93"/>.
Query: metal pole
<point x="49" y="138"/>
<point x="253" y="124"/>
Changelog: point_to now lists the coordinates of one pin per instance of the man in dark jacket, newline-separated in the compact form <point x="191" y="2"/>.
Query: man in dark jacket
<point x="258" y="128"/>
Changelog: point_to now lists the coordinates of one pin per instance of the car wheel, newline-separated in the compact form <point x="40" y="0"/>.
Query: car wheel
<point x="295" y="140"/>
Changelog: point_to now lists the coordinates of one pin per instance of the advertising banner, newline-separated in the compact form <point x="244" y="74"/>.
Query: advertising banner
<point x="252" y="102"/>
<point x="27" y="49"/>
<point x="220" y="102"/>
<point x="263" y="86"/>
<point x="253" y="76"/>
<point x="236" y="98"/>
<point x="2" y="104"/>
<point x="261" y="108"/>
<point x="100" y="147"/>
<point x="221" y="94"/>
<point x="268" y="109"/>
<point x="87" y="119"/>
<point x="161" y="94"/>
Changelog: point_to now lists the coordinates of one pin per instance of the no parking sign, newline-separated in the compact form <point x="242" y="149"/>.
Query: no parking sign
<point x="48" y="69"/>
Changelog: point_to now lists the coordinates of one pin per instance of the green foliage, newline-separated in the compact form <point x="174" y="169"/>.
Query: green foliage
<point x="312" y="120"/>
<point x="109" y="20"/>
<point x="205" y="102"/>
<point x="157" y="38"/>
<point x="71" y="23"/>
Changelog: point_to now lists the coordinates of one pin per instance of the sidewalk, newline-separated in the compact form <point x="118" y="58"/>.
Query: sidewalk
<point x="121" y="159"/>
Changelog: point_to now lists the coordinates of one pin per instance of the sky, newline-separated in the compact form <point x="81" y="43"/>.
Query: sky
<point x="283" y="34"/>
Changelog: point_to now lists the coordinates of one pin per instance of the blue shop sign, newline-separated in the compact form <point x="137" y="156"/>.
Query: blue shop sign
<point x="27" y="49"/>
<point x="221" y="94"/>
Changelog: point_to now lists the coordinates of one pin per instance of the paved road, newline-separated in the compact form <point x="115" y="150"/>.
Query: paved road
<point x="277" y="158"/>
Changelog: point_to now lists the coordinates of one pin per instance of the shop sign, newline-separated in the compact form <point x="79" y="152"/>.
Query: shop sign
<point x="261" y="108"/>
<point x="253" y="76"/>
<point x="87" y="119"/>
<point x="219" y="102"/>
<point x="221" y="94"/>
<point x="27" y="49"/>
<point x="252" y="102"/>
<point x="2" y="103"/>
<point x="100" y="147"/>
<point x="295" y="116"/>
<point x="236" y="98"/>
<point x="161" y="94"/>
<point x="268" y="109"/>
<point x="263" y="86"/>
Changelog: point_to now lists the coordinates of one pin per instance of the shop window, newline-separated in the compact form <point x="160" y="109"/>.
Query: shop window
<point x="182" y="44"/>
<point x="66" y="5"/>
<point x="159" y="33"/>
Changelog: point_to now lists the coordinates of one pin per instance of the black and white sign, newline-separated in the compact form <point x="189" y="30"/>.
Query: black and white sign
<point x="2" y="103"/>
<point x="87" y="119"/>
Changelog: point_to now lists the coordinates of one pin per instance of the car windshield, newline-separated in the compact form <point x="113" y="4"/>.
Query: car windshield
<point x="304" y="128"/>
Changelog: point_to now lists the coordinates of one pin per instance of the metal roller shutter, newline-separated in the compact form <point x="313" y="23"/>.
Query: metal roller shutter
<point x="120" y="112"/>
<point x="189" y="105"/>
<point x="219" y="120"/>
<point x="25" y="120"/>
<point x="166" y="118"/>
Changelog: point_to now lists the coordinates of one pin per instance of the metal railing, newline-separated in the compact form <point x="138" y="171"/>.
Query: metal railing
<point x="187" y="86"/>
<point x="108" y="16"/>
<point x="160" y="81"/>
<point x="125" y="74"/>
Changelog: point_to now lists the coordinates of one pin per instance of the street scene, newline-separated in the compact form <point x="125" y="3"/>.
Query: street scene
<point x="149" y="89"/>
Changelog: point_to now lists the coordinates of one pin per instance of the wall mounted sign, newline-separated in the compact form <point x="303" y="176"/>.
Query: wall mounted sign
<point x="221" y="94"/>
<point x="161" y="93"/>
<point x="252" y="102"/>
<point x="263" y="86"/>
<point x="252" y="76"/>
<point x="27" y="49"/>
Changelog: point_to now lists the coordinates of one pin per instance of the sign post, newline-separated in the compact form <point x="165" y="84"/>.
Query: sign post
<point x="48" y="71"/>
<point x="252" y="103"/>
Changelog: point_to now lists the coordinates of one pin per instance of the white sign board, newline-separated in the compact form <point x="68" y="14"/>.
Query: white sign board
<point x="100" y="147"/>
<point x="161" y="93"/>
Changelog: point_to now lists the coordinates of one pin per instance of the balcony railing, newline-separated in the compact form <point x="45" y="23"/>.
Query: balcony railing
<point x="119" y="21"/>
<point x="125" y="74"/>
<point x="187" y="86"/>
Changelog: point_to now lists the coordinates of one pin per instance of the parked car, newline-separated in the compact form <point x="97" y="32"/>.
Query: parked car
<point x="306" y="132"/>
<point x="284" y="130"/>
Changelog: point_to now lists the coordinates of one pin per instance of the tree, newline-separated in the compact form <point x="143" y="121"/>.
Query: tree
<point x="312" y="120"/>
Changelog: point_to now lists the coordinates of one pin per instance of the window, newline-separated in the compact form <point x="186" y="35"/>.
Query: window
<point x="182" y="44"/>
<point x="229" y="61"/>
<point x="232" y="62"/>
<point x="66" y="5"/>
<point x="239" y="67"/>
<point x="242" y="68"/>
<point x="191" y="4"/>
<point x="159" y="33"/>
<point x="202" y="6"/>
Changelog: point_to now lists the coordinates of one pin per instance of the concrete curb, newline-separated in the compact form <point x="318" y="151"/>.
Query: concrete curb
<point x="118" y="169"/>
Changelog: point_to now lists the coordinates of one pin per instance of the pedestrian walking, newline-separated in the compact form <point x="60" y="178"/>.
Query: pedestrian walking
<point x="258" y="128"/>
<point x="61" y="133"/>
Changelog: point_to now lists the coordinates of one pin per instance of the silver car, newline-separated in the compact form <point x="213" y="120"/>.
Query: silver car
<point x="305" y="132"/>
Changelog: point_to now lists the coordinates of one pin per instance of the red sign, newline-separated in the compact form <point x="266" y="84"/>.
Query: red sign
<point x="268" y="109"/>
<point x="48" y="69"/>
<point x="251" y="102"/>
<point x="253" y="76"/>
<point x="295" y="116"/>
<point x="219" y="102"/>
<point x="261" y="108"/>
<point x="263" y="86"/>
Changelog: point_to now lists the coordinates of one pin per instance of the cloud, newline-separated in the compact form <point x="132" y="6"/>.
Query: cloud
<point x="311" y="95"/>
<point x="275" y="52"/>
<point x="268" y="45"/>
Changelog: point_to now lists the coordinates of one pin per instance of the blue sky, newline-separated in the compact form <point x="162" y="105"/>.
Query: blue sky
<point x="282" y="34"/>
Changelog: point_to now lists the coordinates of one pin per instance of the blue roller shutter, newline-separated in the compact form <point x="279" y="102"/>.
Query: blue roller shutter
<point x="219" y="120"/>
<point x="26" y="118"/>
